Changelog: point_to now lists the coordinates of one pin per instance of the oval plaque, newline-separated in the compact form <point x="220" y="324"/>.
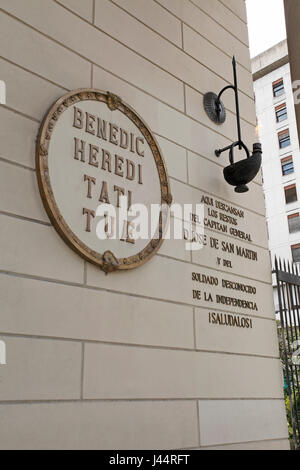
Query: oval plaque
<point x="92" y="150"/>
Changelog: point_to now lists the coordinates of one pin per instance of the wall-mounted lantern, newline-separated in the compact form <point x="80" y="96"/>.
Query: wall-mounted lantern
<point x="237" y="174"/>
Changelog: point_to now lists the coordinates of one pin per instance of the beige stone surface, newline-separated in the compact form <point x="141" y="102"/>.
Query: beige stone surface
<point x="120" y="25"/>
<point x="39" y="97"/>
<point x="206" y="25"/>
<point x="238" y="7"/>
<point x="175" y="158"/>
<point x="17" y="137"/>
<point x="82" y="8"/>
<point x="260" y="340"/>
<point x="229" y="250"/>
<point x="30" y="307"/>
<point x="154" y="16"/>
<point x="238" y="421"/>
<point x="19" y="192"/>
<point x="33" y="51"/>
<point x="35" y="249"/>
<point x="141" y="373"/>
<point x="214" y="59"/>
<point x="224" y="17"/>
<point x="45" y="93"/>
<point x="216" y="251"/>
<point x="252" y="223"/>
<point x="165" y="121"/>
<point x="280" y="444"/>
<point x="175" y="249"/>
<point x="168" y="279"/>
<point x="40" y="370"/>
<point x="196" y="74"/>
<point x="69" y="30"/>
<point x="99" y="426"/>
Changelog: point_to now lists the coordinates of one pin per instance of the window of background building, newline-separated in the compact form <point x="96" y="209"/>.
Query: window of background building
<point x="284" y="139"/>
<point x="291" y="194"/>
<point x="294" y="223"/>
<point x="281" y="112"/>
<point x="287" y="166"/>
<point x="296" y="253"/>
<point x="278" y="88"/>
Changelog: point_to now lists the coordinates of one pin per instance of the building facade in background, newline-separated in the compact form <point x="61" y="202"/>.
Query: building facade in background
<point x="181" y="352"/>
<point x="278" y="133"/>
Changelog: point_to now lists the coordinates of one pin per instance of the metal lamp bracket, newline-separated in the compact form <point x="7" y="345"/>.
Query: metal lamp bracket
<point x="242" y="172"/>
<point x="216" y="111"/>
<point x="214" y="108"/>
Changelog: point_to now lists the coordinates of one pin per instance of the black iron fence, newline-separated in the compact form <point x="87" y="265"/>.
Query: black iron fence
<point x="288" y="290"/>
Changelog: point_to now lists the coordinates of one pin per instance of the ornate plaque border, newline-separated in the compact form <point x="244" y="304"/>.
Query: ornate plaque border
<point x="106" y="261"/>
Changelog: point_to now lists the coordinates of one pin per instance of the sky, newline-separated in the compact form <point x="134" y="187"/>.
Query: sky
<point x="266" y="24"/>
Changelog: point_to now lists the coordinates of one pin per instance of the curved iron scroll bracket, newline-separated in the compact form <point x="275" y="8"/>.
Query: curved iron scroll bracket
<point x="215" y="109"/>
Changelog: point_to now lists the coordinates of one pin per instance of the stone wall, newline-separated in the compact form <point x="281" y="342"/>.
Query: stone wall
<point x="130" y="360"/>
